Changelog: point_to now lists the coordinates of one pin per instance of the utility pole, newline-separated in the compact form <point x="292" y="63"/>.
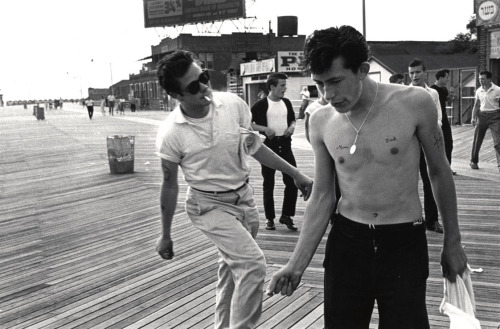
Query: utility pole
<point x="364" y="20"/>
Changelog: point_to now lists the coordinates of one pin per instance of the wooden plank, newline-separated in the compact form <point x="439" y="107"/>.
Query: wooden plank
<point x="77" y="243"/>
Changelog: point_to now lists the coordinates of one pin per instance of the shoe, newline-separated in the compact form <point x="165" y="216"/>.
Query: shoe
<point x="473" y="165"/>
<point x="270" y="225"/>
<point x="287" y="220"/>
<point x="435" y="227"/>
<point x="454" y="172"/>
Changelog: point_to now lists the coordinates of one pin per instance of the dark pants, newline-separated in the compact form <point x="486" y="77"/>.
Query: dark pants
<point x="486" y="120"/>
<point x="90" y="109"/>
<point x="448" y="139"/>
<point x="111" y="107"/>
<point x="388" y="263"/>
<point x="283" y="147"/>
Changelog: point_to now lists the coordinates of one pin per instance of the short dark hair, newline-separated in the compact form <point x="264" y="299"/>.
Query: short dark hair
<point x="395" y="77"/>
<point x="488" y="74"/>
<point x="323" y="46"/>
<point x="417" y="62"/>
<point x="273" y="78"/>
<point x="442" y="73"/>
<point x="173" y="67"/>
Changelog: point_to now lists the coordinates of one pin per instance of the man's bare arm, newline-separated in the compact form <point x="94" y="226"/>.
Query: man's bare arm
<point x="168" y="203"/>
<point x="453" y="259"/>
<point x="317" y="214"/>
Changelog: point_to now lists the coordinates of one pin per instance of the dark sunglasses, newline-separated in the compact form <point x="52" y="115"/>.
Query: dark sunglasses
<point x="194" y="86"/>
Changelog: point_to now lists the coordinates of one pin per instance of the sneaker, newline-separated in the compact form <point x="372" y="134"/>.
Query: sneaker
<point x="270" y="225"/>
<point x="287" y="220"/>
<point x="435" y="227"/>
<point x="473" y="165"/>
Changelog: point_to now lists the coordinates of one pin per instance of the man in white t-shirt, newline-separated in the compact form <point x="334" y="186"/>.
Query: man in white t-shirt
<point x="274" y="117"/>
<point x="486" y="114"/>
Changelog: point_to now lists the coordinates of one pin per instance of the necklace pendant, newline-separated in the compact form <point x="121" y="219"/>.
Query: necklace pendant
<point x="352" y="149"/>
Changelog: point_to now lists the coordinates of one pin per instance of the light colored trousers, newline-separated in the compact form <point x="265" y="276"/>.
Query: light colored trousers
<point x="231" y="221"/>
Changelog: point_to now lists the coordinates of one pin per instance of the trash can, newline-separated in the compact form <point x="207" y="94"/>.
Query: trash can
<point x="121" y="154"/>
<point x="40" y="113"/>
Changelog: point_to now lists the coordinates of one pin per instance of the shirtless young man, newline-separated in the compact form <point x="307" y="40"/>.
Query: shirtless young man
<point x="377" y="248"/>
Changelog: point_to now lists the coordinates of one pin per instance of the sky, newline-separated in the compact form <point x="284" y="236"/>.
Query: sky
<point x="58" y="48"/>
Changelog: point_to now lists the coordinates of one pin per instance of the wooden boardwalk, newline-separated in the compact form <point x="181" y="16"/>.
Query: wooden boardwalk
<point x="77" y="243"/>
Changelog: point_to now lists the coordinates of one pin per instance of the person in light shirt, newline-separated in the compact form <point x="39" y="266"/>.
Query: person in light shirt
<point x="209" y="136"/>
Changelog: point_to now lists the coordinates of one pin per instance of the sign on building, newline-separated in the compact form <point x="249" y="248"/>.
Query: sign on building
<point x="257" y="67"/>
<point x="487" y="12"/>
<point x="181" y="12"/>
<point x="290" y="61"/>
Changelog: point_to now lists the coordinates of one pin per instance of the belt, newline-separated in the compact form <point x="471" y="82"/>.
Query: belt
<point x="344" y="221"/>
<point x="221" y="192"/>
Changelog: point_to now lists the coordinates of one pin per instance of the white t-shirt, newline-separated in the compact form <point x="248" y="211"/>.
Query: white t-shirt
<point x="277" y="117"/>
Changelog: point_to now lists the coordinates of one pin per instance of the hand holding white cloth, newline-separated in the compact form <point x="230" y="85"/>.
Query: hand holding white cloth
<point x="459" y="303"/>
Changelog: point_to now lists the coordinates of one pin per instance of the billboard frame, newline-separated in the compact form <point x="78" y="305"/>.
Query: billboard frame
<point x="160" y="13"/>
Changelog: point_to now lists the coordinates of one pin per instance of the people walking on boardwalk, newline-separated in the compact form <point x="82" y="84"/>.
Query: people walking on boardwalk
<point x="111" y="103"/>
<point x="377" y="248"/>
<point x="273" y="116"/>
<point x="305" y="95"/>
<point x="486" y="114"/>
<point x="90" y="107"/>
<point x="103" y="104"/>
<point x="418" y="75"/>
<point x="209" y="136"/>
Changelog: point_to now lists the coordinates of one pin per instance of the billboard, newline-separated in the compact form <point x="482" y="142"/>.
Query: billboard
<point x="181" y="12"/>
<point x="290" y="61"/>
<point x="486" y="12"/>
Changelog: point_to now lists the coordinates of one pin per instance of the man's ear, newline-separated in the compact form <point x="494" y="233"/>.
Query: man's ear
<point x="175" y="95"/>
<point x="364" y="69"/>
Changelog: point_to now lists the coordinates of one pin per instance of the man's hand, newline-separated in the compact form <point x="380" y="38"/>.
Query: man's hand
<point x="473" y="121"/>
<point x="289" y="131"/>
<point x="453" y="261"/>
<point x="304" y="184"/>
<point x="165" y="248"/>
<point x="269" y="133"/>
<point x="284" y="281"/>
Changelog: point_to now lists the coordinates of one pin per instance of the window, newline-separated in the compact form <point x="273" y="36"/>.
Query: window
<point x="207" y="60"/>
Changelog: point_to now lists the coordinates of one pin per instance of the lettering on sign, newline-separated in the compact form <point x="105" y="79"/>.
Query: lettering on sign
<point x="487" y="10"/>
<point x="290" y="61"/>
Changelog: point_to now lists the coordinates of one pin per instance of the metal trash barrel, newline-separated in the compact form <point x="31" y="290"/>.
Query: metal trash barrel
<point x="121" y="154"/>
<point x="40" y="113"/>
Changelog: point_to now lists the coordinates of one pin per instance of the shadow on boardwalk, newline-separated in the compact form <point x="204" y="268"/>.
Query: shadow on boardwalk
<point x="77" y="243"/>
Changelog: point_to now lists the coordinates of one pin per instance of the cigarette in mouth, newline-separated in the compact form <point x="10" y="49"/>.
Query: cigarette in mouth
<point x="207" y="98"/>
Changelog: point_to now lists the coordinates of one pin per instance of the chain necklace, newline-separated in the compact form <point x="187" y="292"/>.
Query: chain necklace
<point x="353" y="147"/>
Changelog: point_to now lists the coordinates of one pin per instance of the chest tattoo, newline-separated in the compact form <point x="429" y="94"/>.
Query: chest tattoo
<point x="390" y="139"/>
<point x="342" y="147"/>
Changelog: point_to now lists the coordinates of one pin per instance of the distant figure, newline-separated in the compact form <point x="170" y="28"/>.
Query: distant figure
<point x="486" y="114"/>
<point x="90" y="107"/>
<point x="121" y="106"/>
<point x="132" y="104"/>
<point x="111" y="103"/>
<point x="442" y="79"/>
<point x="61" y="102"/>
<point x="418" y="74"/>
<point x="397" y="78"/>
<point x="304" y="95"/>
<point x="103" y="104"/>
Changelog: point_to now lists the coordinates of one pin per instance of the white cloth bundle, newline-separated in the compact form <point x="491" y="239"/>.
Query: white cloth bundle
<point x="459" y="303"/>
